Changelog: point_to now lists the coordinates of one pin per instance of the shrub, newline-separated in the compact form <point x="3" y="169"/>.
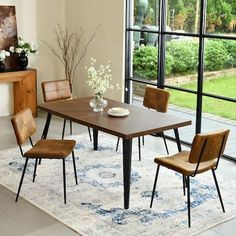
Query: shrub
<point x="145" y="61"/>
<point x="184" y="54"/>
<point x="169" y="63"/>
<point x="230" y="46"/>
<point x="216" y="55"/>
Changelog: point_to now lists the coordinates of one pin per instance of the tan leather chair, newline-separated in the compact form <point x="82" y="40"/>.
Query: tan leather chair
<point x="204" y="155"/>
<point x="58" y="90"/>
<point x="24" y="127"/>
<point x="157" y="99"/>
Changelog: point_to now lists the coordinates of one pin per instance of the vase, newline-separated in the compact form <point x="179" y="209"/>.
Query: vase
<point x="2" y="66"/>
<point x="98" y="103"/>
<point x="23" y="61"/>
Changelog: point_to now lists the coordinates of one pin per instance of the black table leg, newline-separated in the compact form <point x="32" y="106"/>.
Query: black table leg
<point x="127" y="154"/>
<point x="95" y="139"/>
<point x="180" y="149"/>
<point x="177" y="139"/>
<point x="46" y="126"/>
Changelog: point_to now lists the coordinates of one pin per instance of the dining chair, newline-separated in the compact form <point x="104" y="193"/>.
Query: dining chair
<point x="24" y="127"/>
<point x="204" y="155"/>
<point x="59" y="90"/>
<point x="157" y="99"/>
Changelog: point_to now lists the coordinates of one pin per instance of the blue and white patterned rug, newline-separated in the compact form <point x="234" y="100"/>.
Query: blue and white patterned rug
<point x="95" y="205"/>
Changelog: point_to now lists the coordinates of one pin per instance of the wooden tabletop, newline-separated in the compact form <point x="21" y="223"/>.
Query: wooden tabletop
<point x="140" y="121"/>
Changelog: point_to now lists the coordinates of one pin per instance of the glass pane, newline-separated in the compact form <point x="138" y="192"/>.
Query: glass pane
<point x="220" y="67"/>
<point x="183" y="100"/>
<point x="138" y="92"/>
<point x="183" y="104"/>
<point x="221" y="17"/>
<point x="214" y="111"/>
<point x="145" y="63"/>
<point x="220" y="108"/>
<point x="146" y="13"/>
<point x="183" y="16"/>
<point x="182" y="63"/>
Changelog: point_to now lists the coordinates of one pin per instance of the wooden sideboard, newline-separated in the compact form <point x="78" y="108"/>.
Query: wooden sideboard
<point x="24" y="88"/>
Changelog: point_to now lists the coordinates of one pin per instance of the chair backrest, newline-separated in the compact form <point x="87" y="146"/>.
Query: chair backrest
<point x="56" y="90"/>
<point x="208" y="146"/>
<point x="23" y="125"/>
<point x="156" y="98"/>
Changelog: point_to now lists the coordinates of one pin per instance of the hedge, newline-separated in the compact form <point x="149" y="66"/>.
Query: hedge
<point x="182" y="57"/>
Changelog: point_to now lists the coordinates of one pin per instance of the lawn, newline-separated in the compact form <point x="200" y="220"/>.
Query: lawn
<point x="222" y="86"/>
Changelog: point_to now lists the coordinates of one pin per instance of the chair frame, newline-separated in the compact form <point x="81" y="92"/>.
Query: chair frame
<point x="47" y="100"/>
<point x="24" y="127"/>
<point x="161" y="134"/>
<point x="193" y="175"/>
<point x="35" y="169"/>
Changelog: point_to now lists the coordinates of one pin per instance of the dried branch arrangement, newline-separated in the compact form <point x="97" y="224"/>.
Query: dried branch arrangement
<point x="69" y="49"/>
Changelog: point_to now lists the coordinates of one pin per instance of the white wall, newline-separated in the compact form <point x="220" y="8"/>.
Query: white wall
<point x="108" y="43"/>
<point x="36" y="20"/>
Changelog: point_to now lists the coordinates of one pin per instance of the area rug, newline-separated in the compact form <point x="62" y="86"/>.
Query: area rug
<point x="95" y="205"/>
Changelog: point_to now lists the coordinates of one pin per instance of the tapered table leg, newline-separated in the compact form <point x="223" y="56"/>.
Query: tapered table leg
<point x="177" y="140"/>
<point x="127" y="154"/>
<point x="46" y="126"/>
<point x="95" y="139"/>
<point x="180" y="149"/>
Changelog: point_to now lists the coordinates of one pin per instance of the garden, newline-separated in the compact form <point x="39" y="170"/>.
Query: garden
<point x="182" y="60"/>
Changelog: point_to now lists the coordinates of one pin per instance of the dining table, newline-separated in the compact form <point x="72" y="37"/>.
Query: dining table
<point x="138" y="122"/>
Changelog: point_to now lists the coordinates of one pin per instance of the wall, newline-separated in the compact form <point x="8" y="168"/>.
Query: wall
<point x="36" y="20"/>
<point x="108" y="43"/>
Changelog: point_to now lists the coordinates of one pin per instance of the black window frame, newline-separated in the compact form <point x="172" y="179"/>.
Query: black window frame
<point x="160" y="83"/>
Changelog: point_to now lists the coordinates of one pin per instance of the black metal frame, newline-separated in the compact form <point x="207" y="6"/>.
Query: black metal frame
<point x="202" y="35"/>
<point x="187" y="180"/>
<point x="35" y="168"/>
<point x="64" y="126"/>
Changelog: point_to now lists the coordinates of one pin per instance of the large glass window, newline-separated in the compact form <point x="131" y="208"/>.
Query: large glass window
<point x="190" y="49"/>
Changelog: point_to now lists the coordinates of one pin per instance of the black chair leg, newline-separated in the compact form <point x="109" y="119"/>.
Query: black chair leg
<point x="117" y="144"/>
<point x="184" y="184"/>
<point x="35" y="168"/>
<point x="70" y="127"/>
<point x="139" y="148"/>
<point x="143" y="140"/>
<point x="188" y="200"/>
<point x="63" y="130"/>
<point x="73" y="157"/>
<point x="154" y="185"/>
<point x="21" y="180"/>
<point x="164" y="139"/>
<point x="218" y="190"/>
<point x="90" y="136"/>
<point x="64" y="179"/>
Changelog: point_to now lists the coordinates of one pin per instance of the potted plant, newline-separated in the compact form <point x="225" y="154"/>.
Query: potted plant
<point x="22" y="49"/>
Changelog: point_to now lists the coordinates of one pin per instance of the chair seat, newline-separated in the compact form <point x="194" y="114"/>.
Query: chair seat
<point x="180" y="163"/>
<point x="51" y="148"/>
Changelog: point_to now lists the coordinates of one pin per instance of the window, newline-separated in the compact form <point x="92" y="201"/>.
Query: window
<point x="189" y="48"/>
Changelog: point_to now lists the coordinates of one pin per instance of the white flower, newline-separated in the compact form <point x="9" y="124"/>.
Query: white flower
<point x="3" y="55"/>
<point x="99" y="78"/>
<point x="18" y="50"/>
<point x="21" y="42"/>
<point x="12" y="49"/>
<point x="23" y="46"/>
